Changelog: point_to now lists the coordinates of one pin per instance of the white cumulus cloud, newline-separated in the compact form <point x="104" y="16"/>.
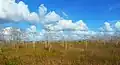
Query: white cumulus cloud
<point x="52" y="17"/>
<point x="32" y="29"/>
<point x="107" y="27"/>
<point x="42" y="10"/>
<point x="10" y="10"/>
<point x="117" y="25"/>
<point x="16" y="11"/>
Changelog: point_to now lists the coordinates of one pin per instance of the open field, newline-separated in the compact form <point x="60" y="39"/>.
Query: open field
<point x="58" y="53"/>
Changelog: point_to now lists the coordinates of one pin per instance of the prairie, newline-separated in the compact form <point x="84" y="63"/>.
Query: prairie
<point x="60" y="53"/>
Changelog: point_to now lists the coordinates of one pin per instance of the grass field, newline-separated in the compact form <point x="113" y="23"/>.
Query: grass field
<point x="58" y="53"/>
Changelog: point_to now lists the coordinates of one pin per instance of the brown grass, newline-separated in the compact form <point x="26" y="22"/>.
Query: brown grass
<point x="58" y="53"/>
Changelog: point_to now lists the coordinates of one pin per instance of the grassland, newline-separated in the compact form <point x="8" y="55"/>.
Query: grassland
<point x="58" y="53"/>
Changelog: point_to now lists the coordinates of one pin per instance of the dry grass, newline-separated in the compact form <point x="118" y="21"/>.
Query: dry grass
<point x="58" y="53"/>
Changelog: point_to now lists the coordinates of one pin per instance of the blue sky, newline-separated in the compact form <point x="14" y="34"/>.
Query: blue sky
<point x="87" y="16"/>
<point x="93" y="12"/>
<point x="81" y="9"/>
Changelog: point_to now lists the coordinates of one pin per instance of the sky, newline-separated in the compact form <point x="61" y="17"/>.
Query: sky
<point x="83" y="15"/>
<point x="93" y="12"/>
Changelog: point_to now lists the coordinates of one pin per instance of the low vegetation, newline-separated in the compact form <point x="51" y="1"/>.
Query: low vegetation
<point x="59" y="53"/>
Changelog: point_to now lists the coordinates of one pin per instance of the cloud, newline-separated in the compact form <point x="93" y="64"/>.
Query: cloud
<point x="59" y="28"/>
<point x="117" y="25"/>
<point x="68" y="25"/>
<point x="52" y="17"/>
<point x="16" y="11"/>
<point x="67" y="30"/>
<point x="7" y="31"/>
<point x="10" y="10"/>
<point x="107" y="27"/>
<point x="42" y="10"/>
<point x="32" y="29"/>
<point x="81" y="25"/>
<point x="32" y="35"/>
<point x="65" y="14"/>
<point x="33" y="17"/>
<point x="10" y="33"/>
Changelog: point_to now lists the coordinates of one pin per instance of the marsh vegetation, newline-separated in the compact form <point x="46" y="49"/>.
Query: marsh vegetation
<point x="59" y="53"/>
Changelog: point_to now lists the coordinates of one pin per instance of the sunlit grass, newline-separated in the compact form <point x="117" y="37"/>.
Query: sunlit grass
<point x="59" y="53"/>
